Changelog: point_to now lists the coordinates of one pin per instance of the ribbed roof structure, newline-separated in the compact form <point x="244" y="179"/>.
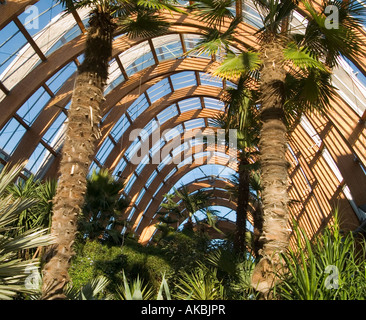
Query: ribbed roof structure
<point x="158" y="85"/>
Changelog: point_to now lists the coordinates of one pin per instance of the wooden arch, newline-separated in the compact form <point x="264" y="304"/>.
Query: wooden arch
<point x="342" y="130"/>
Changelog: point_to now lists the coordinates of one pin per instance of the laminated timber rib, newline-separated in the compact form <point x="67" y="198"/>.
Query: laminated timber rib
<point x="312" y="182"/>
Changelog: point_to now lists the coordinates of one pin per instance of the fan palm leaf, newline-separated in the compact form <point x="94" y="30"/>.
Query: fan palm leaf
<point x="15" y="271"/>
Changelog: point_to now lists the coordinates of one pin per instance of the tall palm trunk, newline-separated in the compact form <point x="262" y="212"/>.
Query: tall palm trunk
<point x="258" y="229"/>
<point x="242" y="206"/>
<point x="77" y="153"/>
<point x="272" y="146"/>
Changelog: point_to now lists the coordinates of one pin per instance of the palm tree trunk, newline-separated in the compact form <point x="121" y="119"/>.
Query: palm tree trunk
<point x="242" y="207"/>
<point x="258" y="229"/>
<point x="77" y="153"/>
<point x="274" y="176"/>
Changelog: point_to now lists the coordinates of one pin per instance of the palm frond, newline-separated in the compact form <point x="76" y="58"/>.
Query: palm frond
<point x="164" y="289"/>
<point x="90" y="291"/>
<point x="235" y="66"/>
<point x="134" y="290"/>
<point x="214" y="42"/>
<point x="15" y="271"/>
<point x="213" y="12"/>
<point x="274" y="14"/>
<point x="312" y="92"/>
<point x="329" y="41"/>
<point x="144" y="24"/>
<point x="169" y="5"/>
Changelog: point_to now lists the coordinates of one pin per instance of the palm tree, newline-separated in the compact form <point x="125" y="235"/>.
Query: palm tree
<point x="103" y="207"/>
<point x="293" y="71"/>
<point x="241" y="115"/>
<point x="192" y="202"/>
<point x="17" y="275"/>
<point x="187" y="205"/>
<point x="134" y="17"/>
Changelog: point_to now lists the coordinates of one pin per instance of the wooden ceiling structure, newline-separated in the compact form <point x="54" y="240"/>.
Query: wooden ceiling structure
<point x="327" y="167"/>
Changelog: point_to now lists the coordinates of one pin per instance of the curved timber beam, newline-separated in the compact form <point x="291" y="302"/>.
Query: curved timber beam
<point x="141" y="208"/>
<point x="123" y="94"/>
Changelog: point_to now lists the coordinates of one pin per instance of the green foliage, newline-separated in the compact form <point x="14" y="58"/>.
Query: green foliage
<point x="234" y="65"/>
<point x="103" y="207"/>
<point x="39" y="214"/>
<point x="93" y="290"/>
<point x="234" y="271"/>
<point x="137" y="291"/>
<point x="184" y="249"/>
<point x="186" y="206"/>
<point x="214" y="42"/>
<point x="200" y="284"/>
<point x="14" y="270"/>
<point x="332" y="267"/>
<point x="134" y="291"/>
<point x="94" y="259"/>
<point x="98" y="259"/>
<point x="147" y="262"/>
<point x="213" y="13"/>
<point x="302" y="57"/>
<point x="335" y="41"/>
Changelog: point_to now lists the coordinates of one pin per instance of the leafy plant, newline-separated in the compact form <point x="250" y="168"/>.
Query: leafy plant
<point x="331" y="267"/>
<point x="15" y="271"/>
<point x="93" y="290"/>
<point x="200" y="284"/>
<point x="137" y="291"/>
<point x="103" y="207"/>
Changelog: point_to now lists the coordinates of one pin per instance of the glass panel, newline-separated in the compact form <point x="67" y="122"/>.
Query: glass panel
<point x="158" y="189"/>
<point x="183" y="79"/>
<point x="37" y="159"/>
<point x="214" y="104"/>
<point x="141" y="194"/>
<point x="310" y="130"/>
<point x="104" y="150"/>
<point x="142" y="165"/>
<point x="115" y="76"/>
<point x="120" y="127"/>
<point x="9" y="48"/>
<point x="10" y="135"/>
<point x="167" y="114"/>
<point x="130" y="183"/>
<point x="168" y="47"/>
<point x="34" y="105"/>
<point x="37" y="16"/>
<point x="52" y="135"/>
<point x="159" y="90"/>
<point x="151" y="178"/>
<point x="170" y="174"/>
<point x="137" y="107"/>
<point x="60" y="77"/>
<point x="328" y="158"/>
<point x="210" y="80"/>
<point x="119" y="168"/>
<point x="17" y="57"/>
<point x="195" y="123"/>
<point x="137" y="58"/>
<point x="189" y="104"/>
<point x="191" y="41"/>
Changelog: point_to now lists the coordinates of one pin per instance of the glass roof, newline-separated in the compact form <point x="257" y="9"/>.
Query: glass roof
<point x="30" y="39"/>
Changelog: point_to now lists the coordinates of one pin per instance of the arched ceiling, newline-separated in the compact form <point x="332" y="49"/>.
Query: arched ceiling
<point x="154" y="84"/>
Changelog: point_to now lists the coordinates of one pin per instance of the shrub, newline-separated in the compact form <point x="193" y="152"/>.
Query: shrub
<point x="329" y="268"/>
